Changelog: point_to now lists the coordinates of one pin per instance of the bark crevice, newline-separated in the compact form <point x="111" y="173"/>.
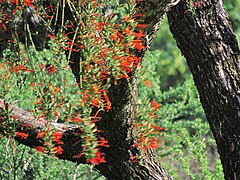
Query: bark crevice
<point x="212" y="53"/>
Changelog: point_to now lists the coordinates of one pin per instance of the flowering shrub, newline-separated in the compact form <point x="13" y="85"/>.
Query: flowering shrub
<point x="106" y="37"/>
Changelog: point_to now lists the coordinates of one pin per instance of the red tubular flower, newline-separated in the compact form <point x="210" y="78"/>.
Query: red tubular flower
<point x="28" y="2"/>
<point x="133" y="159"/>
<point x="103" y="142"/>
<point x="2" y="25"/>
<point x="142" y="26"/>
<point x="198" y="4"/>
<point x="127" y="30"/>
<point x="108" y="103"/>
<point x="76" y="119"/>
<point x="97" y="160"/>
<point x="58" y="149"/>
<point x="137" y="44"/>
<point x="126" y="18"/>
<point x="57" y="136"/>
<point x="153" y="143"/>
<point x="155" y="105"/>
<point x="138" y="15"/>
<point x="15" y="117"/>
<point x="21" y="135"/>
<point x="139" y="35"/>
<point x="51" y="69"/>
<point x="148" y="83"/>
<point x="41" y="135"/>
<point x="152" y="115"/>
<point x="158" y="128"/>
<point x="26" y="125"/>
<point x="52" y="37"/>
<point x="95" y="103"/>
<point x="78" y="155"/>
<point x="40" y="149"/>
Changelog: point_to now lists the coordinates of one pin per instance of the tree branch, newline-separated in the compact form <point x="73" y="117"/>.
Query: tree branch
<point x="71" y="134"/>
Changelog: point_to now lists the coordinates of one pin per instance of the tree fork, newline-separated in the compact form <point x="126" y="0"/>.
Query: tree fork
<point x="116" y="125"/>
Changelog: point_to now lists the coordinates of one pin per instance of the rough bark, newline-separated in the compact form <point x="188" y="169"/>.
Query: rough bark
<point x="210" y="47"/>
<point x="115" y="125"/>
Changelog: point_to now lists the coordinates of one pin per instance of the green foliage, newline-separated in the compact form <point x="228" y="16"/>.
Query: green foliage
<point x="188" y="149"/>
<point x="171" y="66"/>
<point x="187" y="141"/>
<point x="16" y="160"/>
<point x="23" y="163"/>
<point x="232" y="8"/>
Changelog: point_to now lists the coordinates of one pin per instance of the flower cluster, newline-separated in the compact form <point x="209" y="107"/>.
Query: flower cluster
<point x="148" y="132"/>
<point x="105" y="37"/>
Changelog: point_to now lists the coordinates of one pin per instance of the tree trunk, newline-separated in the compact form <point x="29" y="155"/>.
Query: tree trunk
<point x="206" y="40"/>
<point x="116" y="127"/>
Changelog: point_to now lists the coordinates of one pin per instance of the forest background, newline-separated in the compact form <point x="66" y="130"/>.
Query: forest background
<point x="187" y="151"/>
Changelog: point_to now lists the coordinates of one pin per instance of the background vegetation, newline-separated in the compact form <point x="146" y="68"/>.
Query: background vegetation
<point x="187" y="151"/>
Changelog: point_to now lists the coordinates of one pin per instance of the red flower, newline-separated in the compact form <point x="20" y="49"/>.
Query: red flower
<point x="78" y="155"/>
<point x="40" y="148"/>
<point x="158" y="128"/>
<point x="198" y="4"/>
<point x="142" y="26"/>
<point x="155" y="105"/>
<point x="133" y="159"/>
<point x="153" y="143"/>
<point x="21" y="135"/>
<point x="137" y="44"/>
<point x="56" y="89"/>
<point x="41" y="135"/>
<point x="15" y="117"/>
<point x="76" y="119"/>
<point x="52" y="37"/>
<point x="152" y="115"/>
<point x="95" y="103"/>
<point x="103" y="142"/>
<point x="39" y="102"/>
<point x="126" y="18"/>
<point x="139" y="15"/>
<point x="28" y="2"/>
<point x="57" y="136"/>
<point x="139" y="35"/>
<point x="58" y="149"/>
<point x="26" y="125"/>
<point x="108" y="103"/>
<point x="97" y="160"/>
<point x="148" y="83"/>
<point x="51" y="69"/>
<point x="127" y="30"/>
<point x="2" y="25"/>
<point x="42" y="66"/>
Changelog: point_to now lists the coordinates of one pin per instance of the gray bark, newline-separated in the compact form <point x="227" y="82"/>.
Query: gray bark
<point x="207" y="41"/>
